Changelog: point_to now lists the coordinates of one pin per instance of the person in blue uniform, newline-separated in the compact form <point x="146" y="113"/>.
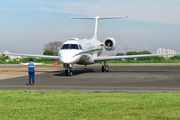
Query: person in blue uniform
<point x="31" y="70"/>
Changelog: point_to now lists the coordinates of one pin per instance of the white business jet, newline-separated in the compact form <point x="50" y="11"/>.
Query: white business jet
<point x="86" y="51"/>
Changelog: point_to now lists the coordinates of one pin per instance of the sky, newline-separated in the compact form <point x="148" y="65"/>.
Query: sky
<point x="27" y="25"/>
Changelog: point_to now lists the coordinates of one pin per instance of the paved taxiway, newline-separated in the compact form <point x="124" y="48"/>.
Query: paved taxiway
<point x="133" y="77"/>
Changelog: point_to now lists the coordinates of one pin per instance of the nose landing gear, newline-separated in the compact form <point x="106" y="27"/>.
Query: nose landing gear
<point x="68" y="69"/>
<point x="68" y="72"/>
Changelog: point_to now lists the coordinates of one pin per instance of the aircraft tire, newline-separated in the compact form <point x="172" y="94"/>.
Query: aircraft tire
<point x="107" y="69"/>
<point x="70" y="73"/>
<point x="102" y="68"/>
<point x="66" y="71"/>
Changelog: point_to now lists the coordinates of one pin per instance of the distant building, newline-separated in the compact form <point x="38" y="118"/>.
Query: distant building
<point x="12" y="57"/>
<point x="164" y="51"/>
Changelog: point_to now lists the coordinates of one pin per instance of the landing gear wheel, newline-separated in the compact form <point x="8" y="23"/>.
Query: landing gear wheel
<point x="70" y="73"/>
<point x="107" y="70"/>
<point x="68" y="69"/>
<point x="102" y="68"/>
<point x="66" y="72"/>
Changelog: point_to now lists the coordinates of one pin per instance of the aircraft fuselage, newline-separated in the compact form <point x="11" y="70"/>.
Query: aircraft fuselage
<point x="79" y="51"/>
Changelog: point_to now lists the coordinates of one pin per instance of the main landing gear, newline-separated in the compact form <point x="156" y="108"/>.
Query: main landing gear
<point x="68" y="70"/>
<point x="105" y="67"/>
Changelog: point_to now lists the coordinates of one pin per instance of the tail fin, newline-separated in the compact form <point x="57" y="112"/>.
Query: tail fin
<point x="96" y="24"/>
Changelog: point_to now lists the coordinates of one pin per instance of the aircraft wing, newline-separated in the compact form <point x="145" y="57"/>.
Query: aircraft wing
<point x="98" y="59"/>
<point x="30" y="55"/>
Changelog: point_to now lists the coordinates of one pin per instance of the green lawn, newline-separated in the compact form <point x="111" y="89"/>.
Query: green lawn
<point x="166" y="60"/>
<point x="88" y="105"/>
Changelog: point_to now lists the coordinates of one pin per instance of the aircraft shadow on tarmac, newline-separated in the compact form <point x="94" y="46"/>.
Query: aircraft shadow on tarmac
<point x="142" y="71"/>
<point x="87" y="70"/>
<point x="76" y="72"/>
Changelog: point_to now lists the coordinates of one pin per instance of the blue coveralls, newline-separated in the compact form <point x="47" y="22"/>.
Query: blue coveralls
<point x="31" y="72"/>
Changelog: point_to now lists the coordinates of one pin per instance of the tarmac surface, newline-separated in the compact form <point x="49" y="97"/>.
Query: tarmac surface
<point x="135" y="77"/>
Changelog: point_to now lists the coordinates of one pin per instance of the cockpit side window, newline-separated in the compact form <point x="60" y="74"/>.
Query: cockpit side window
<point x="80" y="47"/>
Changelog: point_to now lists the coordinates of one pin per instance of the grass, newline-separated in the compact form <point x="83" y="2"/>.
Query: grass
<point x="166" y="60"/>
<point x="88" y="105"/>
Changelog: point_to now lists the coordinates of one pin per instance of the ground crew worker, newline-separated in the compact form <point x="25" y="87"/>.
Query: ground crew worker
<point x="31" y="70"/>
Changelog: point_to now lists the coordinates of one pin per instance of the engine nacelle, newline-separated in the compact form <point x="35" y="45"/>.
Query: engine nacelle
<point x="109" y="44"/>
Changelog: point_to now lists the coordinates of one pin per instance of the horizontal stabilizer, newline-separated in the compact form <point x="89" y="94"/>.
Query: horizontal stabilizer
<point x="97" y="17"/>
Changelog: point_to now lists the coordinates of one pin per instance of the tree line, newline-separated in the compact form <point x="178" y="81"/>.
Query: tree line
<point x="158" y="58"/>
<point x="52" y="48"/>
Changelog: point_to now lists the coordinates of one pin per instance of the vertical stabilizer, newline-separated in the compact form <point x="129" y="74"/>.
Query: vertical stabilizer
<point x="96" y="26"/>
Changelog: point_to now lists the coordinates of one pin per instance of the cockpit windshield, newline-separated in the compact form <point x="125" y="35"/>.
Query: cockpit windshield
<point x="71" y="46"/>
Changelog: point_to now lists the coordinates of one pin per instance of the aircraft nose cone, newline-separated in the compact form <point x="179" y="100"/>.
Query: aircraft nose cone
<point x="66" y="58"/>
<point x="69" y="56"/>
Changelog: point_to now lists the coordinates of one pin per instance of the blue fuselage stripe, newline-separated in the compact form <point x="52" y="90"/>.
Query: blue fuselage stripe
<point x="77" y="54"/>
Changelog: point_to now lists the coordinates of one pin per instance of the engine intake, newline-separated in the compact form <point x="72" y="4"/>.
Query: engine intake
<point x="109" y="44"/>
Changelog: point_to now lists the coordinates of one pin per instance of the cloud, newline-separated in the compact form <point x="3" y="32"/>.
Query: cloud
<point x="43" y="8"/>
<point x="12" y="10"/>
<point x="154" y="11"/>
